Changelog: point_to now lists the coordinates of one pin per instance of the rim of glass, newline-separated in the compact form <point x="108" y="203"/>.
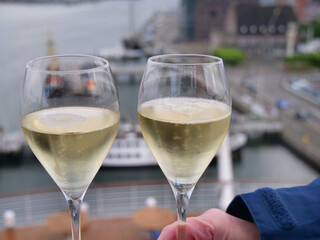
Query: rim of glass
<point x="33" y="68"/>
<point x="155" y="59"/>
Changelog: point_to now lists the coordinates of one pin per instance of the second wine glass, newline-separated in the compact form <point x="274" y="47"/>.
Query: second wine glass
<point x="184" y="110"/>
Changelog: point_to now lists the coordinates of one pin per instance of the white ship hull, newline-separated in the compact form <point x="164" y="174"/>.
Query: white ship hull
<point x="132" y="151"/>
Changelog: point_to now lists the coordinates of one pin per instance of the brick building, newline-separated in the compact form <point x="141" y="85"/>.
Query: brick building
<point x="200" y="17"/>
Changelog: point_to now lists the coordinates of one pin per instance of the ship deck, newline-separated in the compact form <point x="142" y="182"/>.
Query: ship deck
<point x="100" y="228"/>
<point x="111" y="209"/>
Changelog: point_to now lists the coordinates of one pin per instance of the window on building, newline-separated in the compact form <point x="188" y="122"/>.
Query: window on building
<point x="267" y="2"/>
<point x="262" y="29"/>
<point x="253" y="29"/>
<point x="243" y="29"/>
<point x="282" y="28"/>
<point x="272" y="28"/>
<point x="213" y="13"/>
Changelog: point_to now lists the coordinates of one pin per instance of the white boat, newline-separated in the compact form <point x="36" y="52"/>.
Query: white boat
<point x="130" y="149"/>
<point x="118" y="53"/>
<point x="237" y="141"/>
<point x="12" y="142"/>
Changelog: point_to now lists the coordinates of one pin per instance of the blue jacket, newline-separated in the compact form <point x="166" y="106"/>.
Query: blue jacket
<point x="285" y="213"/>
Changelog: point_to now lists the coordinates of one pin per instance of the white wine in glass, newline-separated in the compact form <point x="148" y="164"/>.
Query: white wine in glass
<point x="184" y="112"/>
<point x="69" y="125"/>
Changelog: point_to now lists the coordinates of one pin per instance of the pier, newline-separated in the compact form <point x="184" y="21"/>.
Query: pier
<point x="131" y="70"/>
<point x="257" y="128"/>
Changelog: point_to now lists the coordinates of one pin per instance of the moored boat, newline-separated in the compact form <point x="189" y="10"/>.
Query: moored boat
<point x="130" y="150"/>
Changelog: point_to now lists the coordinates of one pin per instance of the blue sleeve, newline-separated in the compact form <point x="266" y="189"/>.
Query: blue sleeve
<point x="286" y="213"/>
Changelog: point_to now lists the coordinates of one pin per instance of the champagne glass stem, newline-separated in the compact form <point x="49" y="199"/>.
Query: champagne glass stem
<point x="182" y="207"/>
<point x="182" y="201"/>
<point x="75" y="210"/>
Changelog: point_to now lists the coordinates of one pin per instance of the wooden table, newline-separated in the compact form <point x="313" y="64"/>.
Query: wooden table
<point x="153" y="218"/>
<point x="60" y="222"/>
<point x="98" y="229"/>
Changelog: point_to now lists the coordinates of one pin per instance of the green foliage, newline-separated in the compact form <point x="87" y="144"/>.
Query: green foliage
<point x="310" y="30"/>
<point x="316" y="27"/>
<point x="303" y="62"/>
<point x="312" y="59"/>
<point x="232" y="56"/>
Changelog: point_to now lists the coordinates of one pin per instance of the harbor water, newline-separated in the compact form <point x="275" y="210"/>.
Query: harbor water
<point x="75" y="29"/>
<point x="84" y="29"/>
<point x="263" y="162"/>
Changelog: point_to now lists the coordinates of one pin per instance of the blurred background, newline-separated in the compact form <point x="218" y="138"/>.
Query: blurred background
<point x="271" y="51"/>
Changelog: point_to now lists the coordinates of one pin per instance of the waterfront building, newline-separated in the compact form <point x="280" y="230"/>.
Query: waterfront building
<point x="255" y="26"/>
<point x="256" y="29"/>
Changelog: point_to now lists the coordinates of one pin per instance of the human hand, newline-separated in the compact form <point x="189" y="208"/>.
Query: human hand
<point x="214" y="224"/>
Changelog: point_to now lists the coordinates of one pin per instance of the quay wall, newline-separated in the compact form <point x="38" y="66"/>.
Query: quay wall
<point x="302" y="136"/>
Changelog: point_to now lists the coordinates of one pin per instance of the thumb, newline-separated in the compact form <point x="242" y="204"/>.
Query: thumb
<point x="198" y="228"/>
<point x="214" y="224"/>
<point x="225" y="226"/>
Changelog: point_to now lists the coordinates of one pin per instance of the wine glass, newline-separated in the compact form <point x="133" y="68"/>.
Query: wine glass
<point x="184" y="110"/>
<point x="70" y="117"/>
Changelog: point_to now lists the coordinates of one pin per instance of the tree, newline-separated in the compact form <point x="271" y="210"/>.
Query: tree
<point x="316" y="27"/>
<point x="229" y="55"/>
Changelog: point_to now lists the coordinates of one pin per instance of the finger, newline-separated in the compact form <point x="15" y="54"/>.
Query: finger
<point x="172" y="231"/>
<point x="198" y="228"/>
<point x="225" y="226"/>
<point x="169" y="232"/>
